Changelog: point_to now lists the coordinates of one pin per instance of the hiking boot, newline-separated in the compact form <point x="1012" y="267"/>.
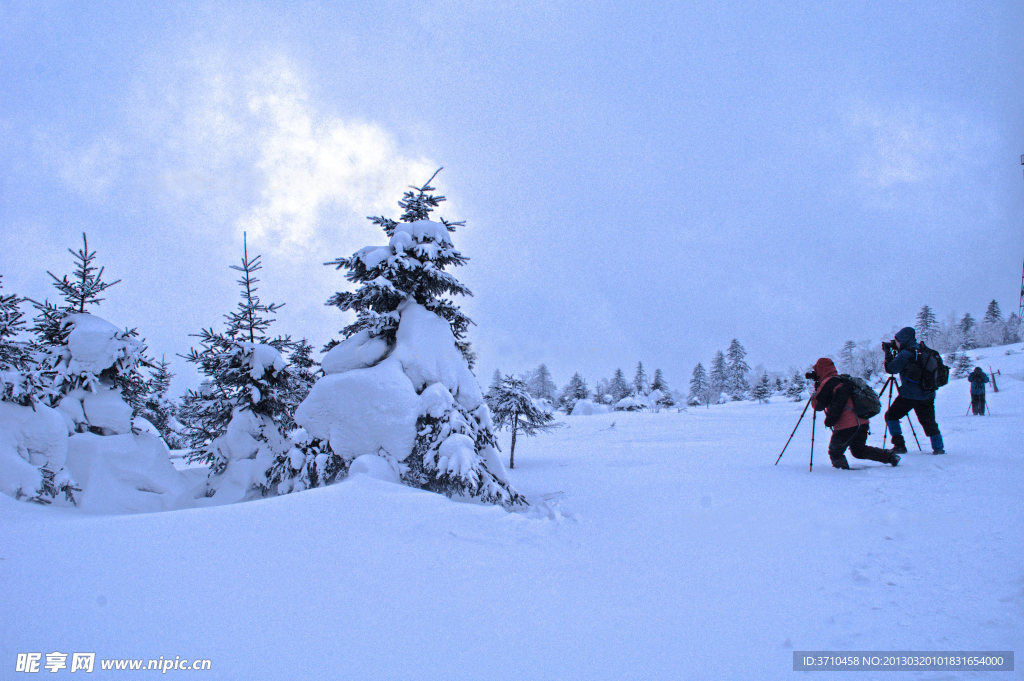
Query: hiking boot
<point x="841" y="463"/>
<point x="894" y="459"/>
<point x="939" y="451"/>
<point x="899" y="445"/>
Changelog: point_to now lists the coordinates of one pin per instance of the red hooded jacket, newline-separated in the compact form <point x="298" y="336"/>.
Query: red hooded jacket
<point x="826" y="391"/>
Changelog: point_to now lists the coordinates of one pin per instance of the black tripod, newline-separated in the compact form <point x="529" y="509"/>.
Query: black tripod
<point x="889" y="383"/>
<point x="814" y="421"/>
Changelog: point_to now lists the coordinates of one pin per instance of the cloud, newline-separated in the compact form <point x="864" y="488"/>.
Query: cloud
<point x="241" y="142"/>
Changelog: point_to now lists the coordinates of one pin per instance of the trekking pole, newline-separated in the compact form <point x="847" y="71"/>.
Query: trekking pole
<point x="914" y="432"/>
<point x="794" y="430"/>
<point x="969" y="407"/>
<point x="885" y="431"/>
<point x="814" y="421"/>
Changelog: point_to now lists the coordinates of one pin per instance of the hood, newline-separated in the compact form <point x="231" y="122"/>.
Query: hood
<point x="906" y="336"/>
<point x="825" y="369"/>
<point x="977" y="370"/>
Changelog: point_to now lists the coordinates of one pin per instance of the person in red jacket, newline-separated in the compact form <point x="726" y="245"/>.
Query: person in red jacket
<point x="834" y="396"/>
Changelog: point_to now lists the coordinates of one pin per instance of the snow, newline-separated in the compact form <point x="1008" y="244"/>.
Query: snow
<point x="261" y="359"/>
<point x="29" y="439"/>
<point x="104" y="409"/>
<point x="665" y="546"/>
<point x="95" y="344"/>
<point x="363" y="411"/>
<point x="125" y="474"/>
<point x="357" y="352"/>
<point x="630" y="404"/>
<point x="589" y="408"/>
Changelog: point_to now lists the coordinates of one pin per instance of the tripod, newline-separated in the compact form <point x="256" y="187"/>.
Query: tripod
<point x="814" y="421"/>
<point x="889" y="383"/>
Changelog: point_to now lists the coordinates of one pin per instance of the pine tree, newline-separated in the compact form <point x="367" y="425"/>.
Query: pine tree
<point x="926" y="325"/>
<point x="658" y="382"/>
<point x="413" y="264"/>
<point x="640" y="380"/>
<point x="993" y="327"/>
<point x="574" y="391"/>
<point x="736" y="376"/>
<point x="303" y="374"/>
<point x="961" y="365"/>
<point x="619" y="388"/>
<point x="847" y="361"/>
<point x="719" y="376"/>
<point x="244" y="372"/>
<point x="21" y="381"/>
<point x="700" y="388"/>
<point x="762" y="389"/>
<point x="1011" y="334"/>
<point x="159" y="408"/>
<point x="778" y="385"/>
<point x="495" y="384"/>
<point x="540" y="384"/>
<point x="797" y="384"/>
<point x="82" y="289"/>
<point x="602" y="390"/>
<point x="993" y="315"/>
<point x="966" y="329"/>
<point x="514" y="409"/>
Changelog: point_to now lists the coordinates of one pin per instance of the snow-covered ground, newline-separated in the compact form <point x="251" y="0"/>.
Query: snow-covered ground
<point x="668" y="547"/>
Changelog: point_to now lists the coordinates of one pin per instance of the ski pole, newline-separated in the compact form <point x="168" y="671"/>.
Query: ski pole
<point x="969" y="407"/>
<point x="814" y="422"/>
<point x="794" y="430"/>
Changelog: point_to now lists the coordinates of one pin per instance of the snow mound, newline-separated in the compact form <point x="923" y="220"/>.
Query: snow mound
<point x="363" y="411"/>
<point x="95" y="344"/>
<point x="105" y="409"/>
<point x="375" y="467"/>
<point x="29" y="439"/>
<point x="588" y="408"/>
<point x="358" y="352"/>
<point x="629" y="404"/>
<point x="125" y="474"/>
<point x="426" y="350"/>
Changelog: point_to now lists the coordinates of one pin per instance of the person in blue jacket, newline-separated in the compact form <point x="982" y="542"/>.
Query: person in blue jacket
<point x="978" y="380"/>
<point x="912" y="396"/>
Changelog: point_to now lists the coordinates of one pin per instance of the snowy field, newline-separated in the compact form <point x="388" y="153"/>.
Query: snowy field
<point x="668" y="547"/>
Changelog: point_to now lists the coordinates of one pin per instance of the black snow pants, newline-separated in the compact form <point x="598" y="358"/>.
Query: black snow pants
<point x="978" y="404"/>
<point x="855" y="438"/>
<point x="925" y="410"/>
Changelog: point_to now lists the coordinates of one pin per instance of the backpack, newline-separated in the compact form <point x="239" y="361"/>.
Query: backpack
<point x="927" y="369"/>
<point x="866" y="402"/>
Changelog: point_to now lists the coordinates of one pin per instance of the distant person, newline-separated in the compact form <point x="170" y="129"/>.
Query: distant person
<point x="834" y="396"/>
<point x="912" y="397"/>
<point x="978" y="379"/>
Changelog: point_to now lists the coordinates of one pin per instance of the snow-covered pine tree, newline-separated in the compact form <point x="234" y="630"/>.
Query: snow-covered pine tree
<point x="540" y="384"/>
<point x="762" y="389"/>
<point x="1011" y="333"/>
<point x="961" y="365"/>
<point x="640" y="386"/>
<point x="602" y="391"/>
<point x="700" y="387"/>
<point x="13" y="354"/>
<point x="966" y="328"/>
<point x="159" y="408"/>
<point x="236" y="414"/>
<point x="398" y="349"/>
<point x="736" y="375"/>
<point x="495" y="384"/>
<point x="797" y="384"/>
<point x="719" y="377"/>
<point x="993" y="327"/>
<point x="847" y="359"/>
<point x="514" y="409"/>
<point x="411" y="267"/>
<point x="926" y="325"/>
<point x="574" y="391"/>
<point x="618" y="387"/>
<point x="779" y="387"/>
<point x="303" y="373"/>
<point x="658" y="383"/>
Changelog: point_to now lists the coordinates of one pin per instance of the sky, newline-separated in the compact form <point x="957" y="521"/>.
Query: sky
<point x="639" y="182"/>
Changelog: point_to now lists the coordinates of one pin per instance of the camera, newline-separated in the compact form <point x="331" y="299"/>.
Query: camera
<point x="890" y="349"/>
<point x="811" y="376"/>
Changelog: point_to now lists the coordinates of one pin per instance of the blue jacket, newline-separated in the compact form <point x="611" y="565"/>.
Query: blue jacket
<point x="978" y="380"/>
<point x="908" y="388"/>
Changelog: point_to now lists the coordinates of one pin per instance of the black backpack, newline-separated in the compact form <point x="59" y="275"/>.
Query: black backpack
<point x="866" y="402"/>
<point x="927" y="369"/>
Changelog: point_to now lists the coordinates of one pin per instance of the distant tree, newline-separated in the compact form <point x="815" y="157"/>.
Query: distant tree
<point x="602" y="391"/>
<point x="540" y="384"/>
<point x="719" y="377"/>
<point x="700" y="387"/>
<point x="966" y="328"/>
<point x="961" y="365"/>
<point x="619" y="388"/>
<point x="736" y="374"/>
<point x="926" y="325"/>
<point x="847" y="360"/>
<point x="159" y="408"/>
<point x="640" y="380"/>
<point x="1011" y="333"/>
<point x="495" y="384"/>
<point x="762" y="389"/>
<point x="574" y="391"/>
<point x="514" y="409"/>
<point x="658" y="382"/>
<point x="779" y="387"/>
<point x="797" y="384"/>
